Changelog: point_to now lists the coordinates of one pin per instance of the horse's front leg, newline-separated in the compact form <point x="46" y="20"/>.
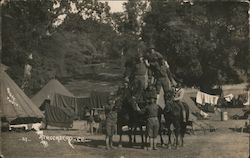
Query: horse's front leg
<point x="120" y="141"/>
<point x="169" y="138"/>
<point x="130" y="136"/>
<point x="182" y="141"/>
<point x="183" y="131"/>
<point x="134" y="134"/>
<point x="120" y="136"/>
<point x="177" y="134"/>
<point x="142" y="137"/>
<point x="146" y="141"/>
<point x="161" y="135"/>
<point x="162" y="142"/>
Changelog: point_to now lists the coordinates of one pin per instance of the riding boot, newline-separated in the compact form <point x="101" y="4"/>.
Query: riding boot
<point x="154" y="144"/>
<point x="151" y="141"/>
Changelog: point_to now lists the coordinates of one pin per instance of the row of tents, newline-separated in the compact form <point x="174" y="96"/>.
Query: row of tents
<point x="17" y="108"/>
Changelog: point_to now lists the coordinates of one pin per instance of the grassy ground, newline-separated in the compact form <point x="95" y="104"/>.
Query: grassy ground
<point x="225" y="142"/>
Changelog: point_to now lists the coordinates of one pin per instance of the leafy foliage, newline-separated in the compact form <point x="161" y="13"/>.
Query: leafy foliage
<point x="205" y="43"/>
<point x="84" y="37"/>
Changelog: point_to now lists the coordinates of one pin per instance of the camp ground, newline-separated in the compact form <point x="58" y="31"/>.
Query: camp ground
<point x="224" y="128"/>
<point x="124" y="79"/>
<point x="197" y="144"/>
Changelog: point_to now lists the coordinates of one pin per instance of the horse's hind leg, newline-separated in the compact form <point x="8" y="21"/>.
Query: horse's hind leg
<point x="176" y="143"/>
<point x="177" y="134"/>
<point x="162" y="141"/>
<point x="134" y="134"/>
<point x="161" y="133"/>
<point x="146" y="142"/>
<point x="183" y="131"/>
<point x="142" y="138"/>
<point x="120" y="141"/>
<point x="130" y="136"/>
<point x="169" y="138"/>
<point x="120" y="134"/>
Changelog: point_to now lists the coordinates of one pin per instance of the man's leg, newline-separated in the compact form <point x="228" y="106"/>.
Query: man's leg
<point x="111" y="142"/>
<point x="151" y="140"/>
<point x="108" y="136"/>
<point x="155" y="143"/>
<point x="138" y="87"/>
<point x="91" y="128"/>
<point x="107" y="142"/>
<point x="156" y="131"/>
<point x="165" y="83"/>
<point x="111" y="137"/>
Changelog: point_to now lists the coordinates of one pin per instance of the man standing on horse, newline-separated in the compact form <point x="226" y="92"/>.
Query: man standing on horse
<point x="159" y="69"/>
<point x="161" y="76"/>
<point x="139" y="77"/>
<point x="152" y="57"/>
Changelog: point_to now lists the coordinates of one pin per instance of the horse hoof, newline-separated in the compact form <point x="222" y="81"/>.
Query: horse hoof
<point x="119" y="146"/>
<point x="169" y="147"/>
<point x="163" y="145"/>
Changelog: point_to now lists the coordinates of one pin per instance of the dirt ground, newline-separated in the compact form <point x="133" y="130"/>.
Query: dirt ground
<point x="226" y="142"/>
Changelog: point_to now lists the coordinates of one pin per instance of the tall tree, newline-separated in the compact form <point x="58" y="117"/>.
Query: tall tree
<point x="24" y="25"/>
<point x="204" y="42"/>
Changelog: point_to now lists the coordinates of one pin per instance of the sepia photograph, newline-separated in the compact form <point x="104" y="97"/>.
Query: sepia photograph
<point x="125" y="79"/>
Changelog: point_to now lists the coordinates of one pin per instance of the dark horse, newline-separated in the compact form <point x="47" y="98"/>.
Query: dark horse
<point x="128" y="115"/>
<point x="175" y="117"/>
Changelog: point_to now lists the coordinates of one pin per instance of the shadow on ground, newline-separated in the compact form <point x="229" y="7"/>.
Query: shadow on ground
<point x="101" y="143"/>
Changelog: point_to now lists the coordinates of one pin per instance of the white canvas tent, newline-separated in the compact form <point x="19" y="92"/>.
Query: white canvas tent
<point x="15" y="106"/>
